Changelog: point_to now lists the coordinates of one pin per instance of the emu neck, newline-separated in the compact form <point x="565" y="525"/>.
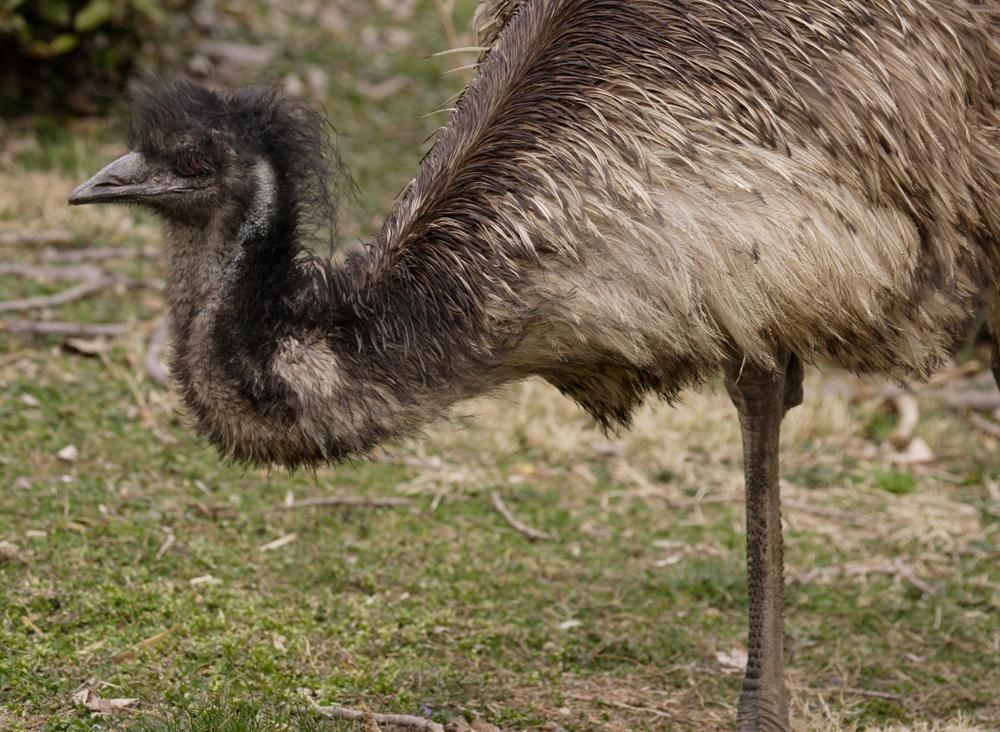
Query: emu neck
<point x="204" y="263"/>
<point x="224" y="283"/>
<point x="284" y="359"/>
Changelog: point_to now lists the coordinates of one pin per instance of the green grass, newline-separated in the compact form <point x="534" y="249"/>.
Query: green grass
<point x="138" y="570"/>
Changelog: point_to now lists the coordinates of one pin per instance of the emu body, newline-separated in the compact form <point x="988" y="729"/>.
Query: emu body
<point x="631" y="196"/>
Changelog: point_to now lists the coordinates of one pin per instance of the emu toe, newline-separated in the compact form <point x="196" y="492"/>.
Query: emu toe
<point x="761" y="715"/>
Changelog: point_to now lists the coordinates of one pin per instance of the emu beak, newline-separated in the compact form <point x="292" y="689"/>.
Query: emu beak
<point x="127" y="179"/>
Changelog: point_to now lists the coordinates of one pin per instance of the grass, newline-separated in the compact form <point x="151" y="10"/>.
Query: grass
<point x="139" y="569"/>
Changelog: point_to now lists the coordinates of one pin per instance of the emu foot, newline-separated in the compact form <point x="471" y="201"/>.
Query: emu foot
<point x="760" y="711"/>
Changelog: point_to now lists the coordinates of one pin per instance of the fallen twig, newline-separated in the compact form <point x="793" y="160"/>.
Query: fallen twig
<point x="53" y="272"/>
<point x="358" y="501"/>
<point x="152" y="360"/>
<point x="50" y="236"/>
<point x="77" y="292"/>
<point x="870" y="693"/>
<point x="984" y="425"/>
<point x="515" y="523"/>
<point x="896" y="568"/>
<point x="62" y="328"/>
<point x="145" y="643"/>
<point x="94" y="254"/>
<point x="336" y="711"/>
<point x="850" y="517"/>
<point x="978" y="400"/>
<point x="167" y="543"/>
<point x="278" y="543"/>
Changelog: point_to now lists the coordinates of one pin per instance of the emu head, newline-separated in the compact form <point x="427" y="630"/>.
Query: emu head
<point x="223" y="161"/>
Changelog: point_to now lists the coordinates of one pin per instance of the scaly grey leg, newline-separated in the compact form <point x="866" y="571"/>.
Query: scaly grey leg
<point x="762" y="396"/>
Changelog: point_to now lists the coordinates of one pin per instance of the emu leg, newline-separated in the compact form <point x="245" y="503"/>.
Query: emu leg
<point x="762" y="396"/>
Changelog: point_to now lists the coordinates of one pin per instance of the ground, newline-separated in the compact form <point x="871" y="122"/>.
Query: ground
<point x="137" y="566"/>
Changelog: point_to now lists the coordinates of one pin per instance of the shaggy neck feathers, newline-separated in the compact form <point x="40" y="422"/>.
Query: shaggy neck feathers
<point x="262" y="209"/>
<point x="630" y="192"/>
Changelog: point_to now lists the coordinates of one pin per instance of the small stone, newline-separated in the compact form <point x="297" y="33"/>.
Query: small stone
<point x="69" y="454"/>
<point x="293" y="86"/>
<point x="205" y="579"/>
<point x="29" y="401"/>
<point x="9" y="552"/>
<point x="915" y="453"/>
<point x="732" y="662"/>
<point x="317" y="80"/>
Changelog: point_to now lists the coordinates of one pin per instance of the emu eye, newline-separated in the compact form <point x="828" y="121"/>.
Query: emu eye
<point x="190" y="168"/>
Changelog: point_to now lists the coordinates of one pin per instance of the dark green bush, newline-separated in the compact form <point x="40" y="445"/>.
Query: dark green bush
<point x="75" y="55"/>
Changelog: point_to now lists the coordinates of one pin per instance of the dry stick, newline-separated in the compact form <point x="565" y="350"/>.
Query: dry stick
<point x="984" y="425"/>
<point x="84" y="289"/>
<point x="151" y="361"/>
<point x="53" y="272"/>
<point x="336" y="711"/>
<point x="94" y="254"/>
<point x="896" y="571"/>
<point x="78" y="292"/>
<point x="851" y="690"/>
<point x="980" y="401"/>
<point x="52" y="236"/>
<point x="518" y="526"/>
<point x="360" y="501"/>
<point x="62" y="328"/>
<point x="146" y="643"/>
<point x="830" y="513"/>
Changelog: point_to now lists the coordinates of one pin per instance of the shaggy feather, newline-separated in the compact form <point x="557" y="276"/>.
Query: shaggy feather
<point x="490" y="18"/>
<point x="677" y="181"/>
<point x="629" y="193"/>
<point x="179" y="121"/>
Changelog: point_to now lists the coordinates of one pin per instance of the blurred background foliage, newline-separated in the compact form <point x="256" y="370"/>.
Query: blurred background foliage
<point x="75" y="55"/>
<point x="369" y="64"/>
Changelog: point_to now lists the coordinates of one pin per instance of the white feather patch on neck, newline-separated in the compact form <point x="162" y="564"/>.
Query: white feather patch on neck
<point x="254" y="222"/>
<point x="262" y="207"/>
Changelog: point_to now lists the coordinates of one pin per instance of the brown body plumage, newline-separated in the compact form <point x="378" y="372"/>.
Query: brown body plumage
<point x="629" y="192"/>
<point x="631" y="196"/>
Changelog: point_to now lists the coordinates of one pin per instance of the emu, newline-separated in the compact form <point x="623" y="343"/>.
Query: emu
<point x="631" y="197"/>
